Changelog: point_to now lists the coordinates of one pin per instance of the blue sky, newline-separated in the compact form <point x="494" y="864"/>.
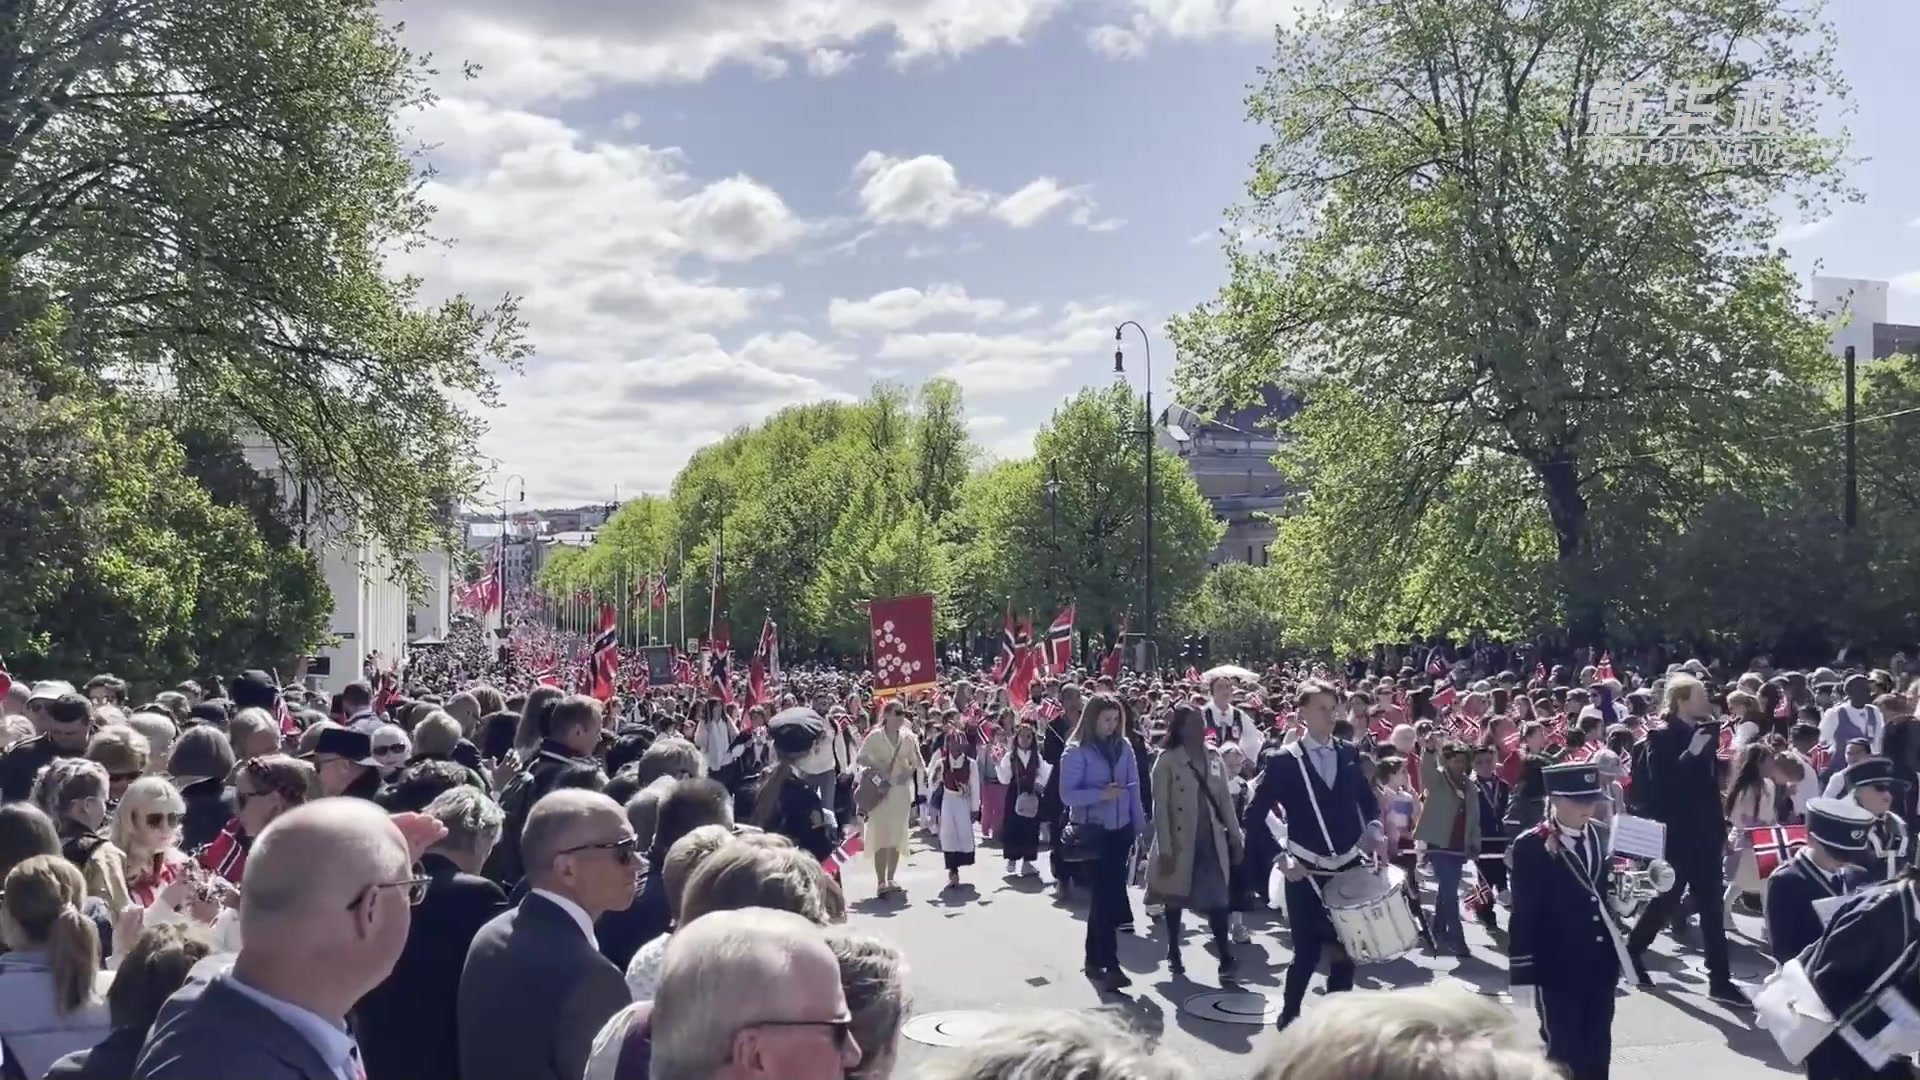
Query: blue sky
<point x="716" y="208"/>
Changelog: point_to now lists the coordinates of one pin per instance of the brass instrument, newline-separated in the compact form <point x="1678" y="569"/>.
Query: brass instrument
<point x="1637" y="884"/>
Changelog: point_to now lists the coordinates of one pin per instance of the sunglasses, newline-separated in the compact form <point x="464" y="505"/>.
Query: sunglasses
<point x="626" y="849"/>
<point x="841" y="1029"/>
<point x="416" y="887"/>
<point x="155" y="821"/>
<point x="395" y="748"/>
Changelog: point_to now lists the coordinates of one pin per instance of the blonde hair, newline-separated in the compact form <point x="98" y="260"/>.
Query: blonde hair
<point x="42" y="908"/>
<point x="1681" y="687"/>
<point x="1419" y="1033"/>
<point x="145" y="795"/>
<point x="755" y="874"/>
<point x="1084" y="1046"/>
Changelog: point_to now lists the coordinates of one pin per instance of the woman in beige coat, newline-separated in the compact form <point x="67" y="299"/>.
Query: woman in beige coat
<point x="1196" y="838"/>
<point x="892" y="751"/>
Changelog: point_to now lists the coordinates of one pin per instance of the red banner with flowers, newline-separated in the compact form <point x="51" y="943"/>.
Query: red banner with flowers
<point x="903" y="654"/>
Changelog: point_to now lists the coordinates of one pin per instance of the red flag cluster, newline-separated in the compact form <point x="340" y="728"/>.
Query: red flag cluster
<point x="1021" y="660"/>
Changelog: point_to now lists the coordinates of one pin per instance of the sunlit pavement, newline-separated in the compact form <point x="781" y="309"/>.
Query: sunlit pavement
<point x="1005" y="946"/>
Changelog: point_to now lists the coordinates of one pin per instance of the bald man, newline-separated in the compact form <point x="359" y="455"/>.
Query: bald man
<point x="323" y="916"/>
<point x="536" y="988"/>
<point x="786" y="1015"/>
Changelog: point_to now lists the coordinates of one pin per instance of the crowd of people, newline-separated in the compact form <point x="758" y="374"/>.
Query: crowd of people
<point x="428" y="876"/>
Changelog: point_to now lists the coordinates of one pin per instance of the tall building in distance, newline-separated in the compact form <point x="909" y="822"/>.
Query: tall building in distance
<point x="1230" y="455"/>
<point x="1859" y="309"/>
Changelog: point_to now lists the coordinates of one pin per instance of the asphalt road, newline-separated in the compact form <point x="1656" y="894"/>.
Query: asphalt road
<point x="1001" y="947"/>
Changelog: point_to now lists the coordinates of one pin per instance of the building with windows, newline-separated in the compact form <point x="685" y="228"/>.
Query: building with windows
<point x="1230" y="456"/>
<point x="1858" y="308"/>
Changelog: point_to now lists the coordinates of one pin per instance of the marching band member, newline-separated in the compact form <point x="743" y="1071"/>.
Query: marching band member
<point x="1871" y="783"/>
<point x="1871" y="946"/>
<point x="1836" y="837"/>
<point x="1563" y="964"/>
<point x="1331" y="815"/>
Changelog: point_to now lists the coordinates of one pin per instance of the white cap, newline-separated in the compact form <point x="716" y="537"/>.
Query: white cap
<point x="50" y="689"/>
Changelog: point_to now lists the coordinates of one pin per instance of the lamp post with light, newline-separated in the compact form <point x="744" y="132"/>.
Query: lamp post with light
<point x="1120" y="369"/>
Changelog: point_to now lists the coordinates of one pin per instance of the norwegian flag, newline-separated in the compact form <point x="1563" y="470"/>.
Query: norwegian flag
<point x="1579" y="754"/>
<point x="1193" y="674"/>
<point x="1050" y="710"/>
<point x="1465" y="728"/>
<point x="1110" y="666"/>
<point x="1604" y="669"/>
<point x="1725" y="752"/>
<point x="765" y="663"/>
<point x="1058" y="656"/>
<point x="604" y="660"/>
<point x="1435" y="666"/>
<point x="1480" y="897"/>
<point x="1026" y="666"/>
<point x="682" y="669"/>
<point x="853" y="845"/>
<point x="1380" y="728"/>
<point x="1444" y="699"/>
<point x="1774" y="845"/>
<point x="1540" y="671"/>
<point x="660" y="591"/>
<point x="720" y="668"/>
<point x="1010" y="644"/>
<point x="485" y="594"/>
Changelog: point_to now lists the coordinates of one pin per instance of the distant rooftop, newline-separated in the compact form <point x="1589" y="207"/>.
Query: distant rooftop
<point x="1275" y="404"/>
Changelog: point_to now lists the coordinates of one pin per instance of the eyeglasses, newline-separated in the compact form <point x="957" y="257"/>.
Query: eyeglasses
<point x="626" y="849"/>
<point x="395" y="748"/>
<point x="155" y="821"/>
<point x="841" y="1027"/>
<point x="416" y="887"/>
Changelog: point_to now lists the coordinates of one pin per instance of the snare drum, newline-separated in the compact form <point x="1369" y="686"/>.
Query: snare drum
<point x="1371" y="914"/>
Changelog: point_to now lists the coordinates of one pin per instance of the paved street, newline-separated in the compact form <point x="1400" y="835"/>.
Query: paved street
<point x="1006" y="947"/>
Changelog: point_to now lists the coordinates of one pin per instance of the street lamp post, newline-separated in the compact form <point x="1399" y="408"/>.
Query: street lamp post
<point x="1120" y="368"/>
<point x="1053" y="526"/>
<point x="500" y="559"/>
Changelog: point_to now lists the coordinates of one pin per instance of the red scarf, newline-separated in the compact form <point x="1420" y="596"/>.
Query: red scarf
<point x="956" y="772"/>
<point x="144" y="886"/>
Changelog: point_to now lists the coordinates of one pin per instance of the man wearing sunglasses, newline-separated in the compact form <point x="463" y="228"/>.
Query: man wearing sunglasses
<point x="326" y="910"/>
<point x="535" y="989"/>
<point x="786" y="1015"/>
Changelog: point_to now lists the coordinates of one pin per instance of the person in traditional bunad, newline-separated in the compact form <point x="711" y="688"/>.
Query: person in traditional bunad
<point x="954" y="774"/>
<point x="1023" y="774"/>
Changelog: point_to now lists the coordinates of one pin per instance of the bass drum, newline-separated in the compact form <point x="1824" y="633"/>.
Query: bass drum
<point x="1371" y="914"/>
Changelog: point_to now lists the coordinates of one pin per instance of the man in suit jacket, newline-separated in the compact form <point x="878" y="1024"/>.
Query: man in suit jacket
<point x="536" y="990"/>
<point x="325" y="912"/>
<point x="407" y="1026"/>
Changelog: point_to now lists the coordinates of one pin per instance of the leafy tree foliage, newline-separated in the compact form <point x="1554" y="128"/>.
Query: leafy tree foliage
<point x="118" y="559"/>
<point x="205" y="193"/>
<point x="1527" y="365"/>
<point x="1238" y="606"/>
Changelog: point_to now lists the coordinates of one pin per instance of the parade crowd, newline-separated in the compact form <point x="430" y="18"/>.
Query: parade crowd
<point x="456" y="870"/>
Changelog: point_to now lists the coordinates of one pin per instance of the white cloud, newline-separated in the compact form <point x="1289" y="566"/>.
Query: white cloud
<point x="569" y="48"/>
<point x="791" y="350"/>
<point x="1908" y="282"/>
<point x="627" y="262"/>
<point x="902" y="309"/>
<point x="989" y="365"/>
<point x="926" y="190"/>
<point x="826" y="63"/>
<point x="1191" y="20"/>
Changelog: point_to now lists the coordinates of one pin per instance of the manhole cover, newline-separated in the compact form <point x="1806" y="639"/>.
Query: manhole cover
<point x="951" y="1028"/>
<point x="1233" y="1007"/>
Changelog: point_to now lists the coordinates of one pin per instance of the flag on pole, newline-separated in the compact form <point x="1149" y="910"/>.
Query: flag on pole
<point x="605" y="658"/>
<point x="1604" y="670"/>
<point x="1059" y="647"/>
<point x="660" y="591"/>
<point x="765" y="664"/>
<point x="1115" y="659"/>
<point x="1009" y="644"/>
<point x="1774" y="845"/>
<point x="1026" y="667"/>
<point x="853" y="845"/>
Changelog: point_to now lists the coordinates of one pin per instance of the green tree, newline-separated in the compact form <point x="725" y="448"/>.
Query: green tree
<point x="1237" y="606"/>
<point x="207" y="193"/>
<point x="1504" y="337"/>
<point x="119" y="560"/>
<point x="1006" y="524"/>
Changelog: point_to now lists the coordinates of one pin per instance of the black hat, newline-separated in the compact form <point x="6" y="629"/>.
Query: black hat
<point x="355" y="746"/>
<point x="1839" y="824"/>
<point x="795" y="730"/>
<point x="253" y="690"/>
<point x="1576" y="780"/>
<point x="1874" y="770"/>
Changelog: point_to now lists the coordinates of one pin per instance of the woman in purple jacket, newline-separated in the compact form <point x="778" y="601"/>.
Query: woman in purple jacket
<point x="1100" y="787"/>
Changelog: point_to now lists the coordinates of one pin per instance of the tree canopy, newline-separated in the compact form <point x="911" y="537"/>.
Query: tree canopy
<point x="1527" y="365"/>
<point x="826" y="506"/>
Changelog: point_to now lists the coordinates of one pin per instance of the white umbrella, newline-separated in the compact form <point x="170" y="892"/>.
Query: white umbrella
<point x="1229" y="671"/>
